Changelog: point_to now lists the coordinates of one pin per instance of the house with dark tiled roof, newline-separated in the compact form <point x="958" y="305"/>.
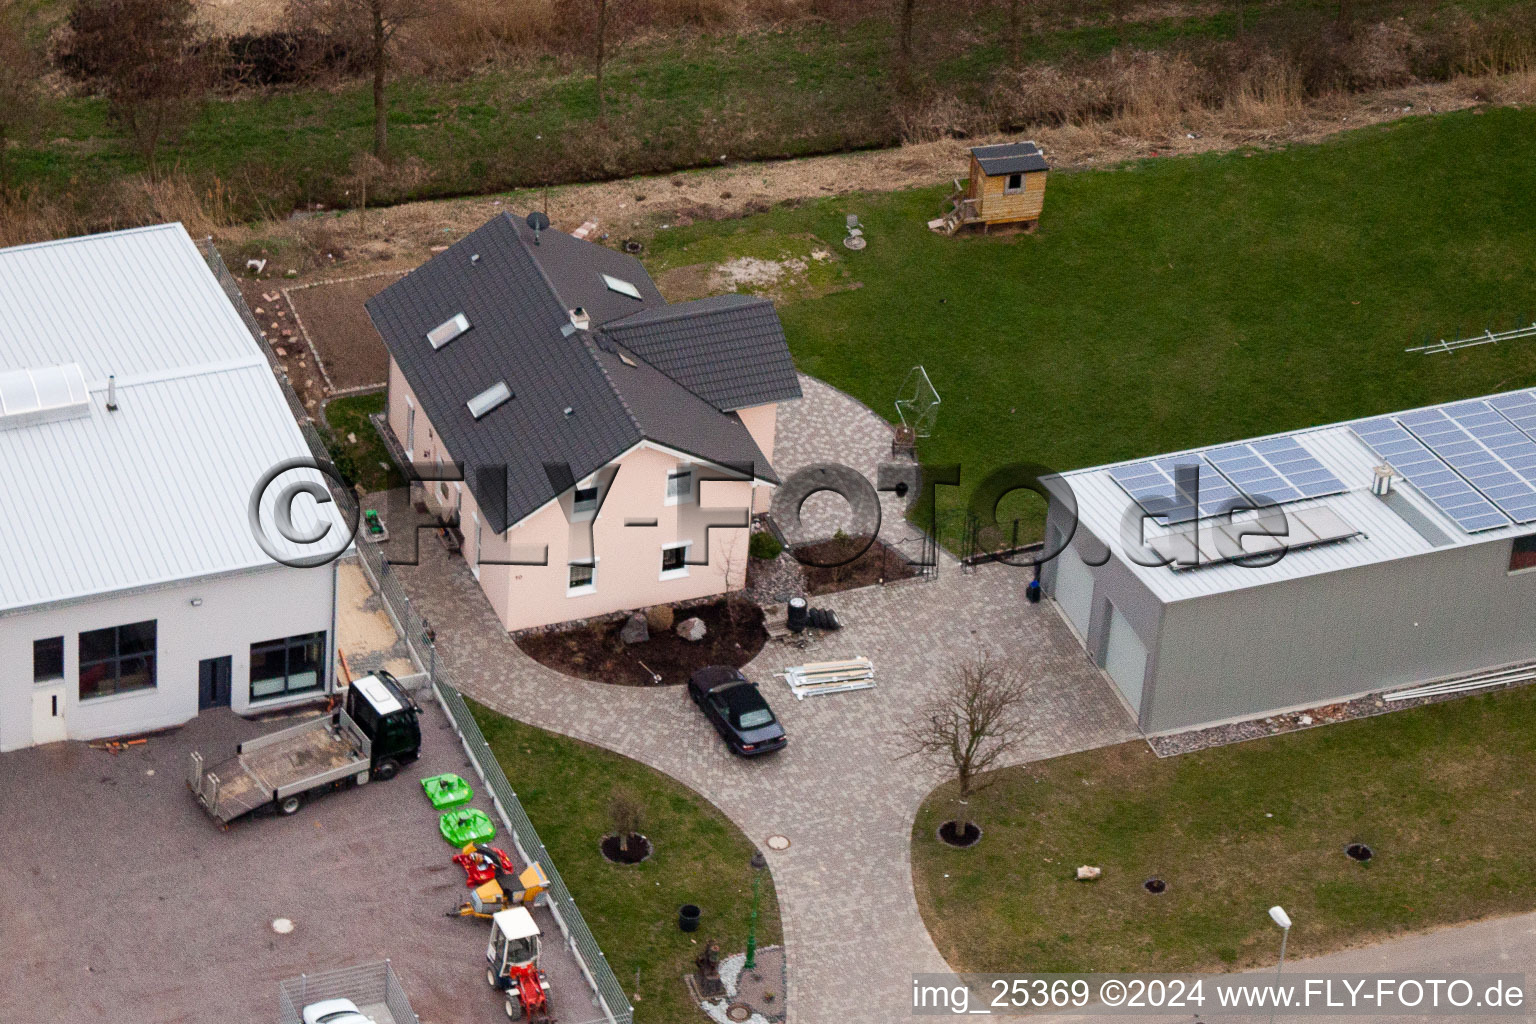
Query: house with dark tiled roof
<point x="599" y="448"/>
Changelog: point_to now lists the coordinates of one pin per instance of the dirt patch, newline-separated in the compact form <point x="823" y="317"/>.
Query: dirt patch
<point x="595" y="652"/>
<point x="275" y="316"/>
<point x="331" y="318"/>
<point x="683" y="284"/>
<point x="637" y="849"/>
<point x="879" y="564"/>
<point x="364" y="633"/>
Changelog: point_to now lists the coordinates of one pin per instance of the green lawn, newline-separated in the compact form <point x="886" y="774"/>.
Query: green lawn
<point x="1440" y="794"/>
<point x="674" y="103"/>
<point x="1170" y="303"/>
<point x="566" y="786"/>
<point x="365" y="461"/>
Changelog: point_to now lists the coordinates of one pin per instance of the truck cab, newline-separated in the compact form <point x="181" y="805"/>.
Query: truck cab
<point x="387" y="716"/>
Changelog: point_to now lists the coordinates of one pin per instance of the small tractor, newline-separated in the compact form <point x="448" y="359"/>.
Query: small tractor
<point x="502" y="889"/>
<point x="513" y="964"/>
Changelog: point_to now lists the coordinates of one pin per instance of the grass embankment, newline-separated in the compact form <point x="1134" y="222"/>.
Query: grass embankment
<point x="365" y="460"/>
<point x="803" y="87"/>
<point x="1172" y="303"/>
<point x="1439" y="793"/>
<point x="566" y="787"/>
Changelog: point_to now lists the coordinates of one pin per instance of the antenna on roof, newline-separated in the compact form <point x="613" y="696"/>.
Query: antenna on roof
<point x="538" y="222"/>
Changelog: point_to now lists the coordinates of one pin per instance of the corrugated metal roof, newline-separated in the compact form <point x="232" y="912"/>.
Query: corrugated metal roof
<point x="1386" y="535"/>
<point x="157" y="491"/>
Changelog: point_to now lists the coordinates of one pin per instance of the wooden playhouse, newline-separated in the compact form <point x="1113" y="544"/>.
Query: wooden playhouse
<point x="1007" y="186"/>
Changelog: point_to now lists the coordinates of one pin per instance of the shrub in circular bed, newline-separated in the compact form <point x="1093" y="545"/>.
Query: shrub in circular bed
<point x="659" y="617"/>
<point x="765" y="546"/>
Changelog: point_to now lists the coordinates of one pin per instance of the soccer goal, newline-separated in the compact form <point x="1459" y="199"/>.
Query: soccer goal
<point x="917" y="403"/>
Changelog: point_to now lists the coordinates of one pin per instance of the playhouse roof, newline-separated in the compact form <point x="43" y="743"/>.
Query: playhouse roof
<point x="1010" y="158"/>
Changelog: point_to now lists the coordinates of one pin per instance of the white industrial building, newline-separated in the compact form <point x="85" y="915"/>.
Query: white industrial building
<point x="133" y="591"/>
<point x="1389" y="577"/>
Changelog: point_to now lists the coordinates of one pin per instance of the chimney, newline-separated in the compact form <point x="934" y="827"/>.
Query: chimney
<point x="1381" y="481"/>
<point x="111" y="392"/>
<point x="579" y="319"/>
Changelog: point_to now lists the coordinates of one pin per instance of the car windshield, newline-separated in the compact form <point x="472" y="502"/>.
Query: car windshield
<point x="754" y="719"/>
<point x="337" y="1015"/>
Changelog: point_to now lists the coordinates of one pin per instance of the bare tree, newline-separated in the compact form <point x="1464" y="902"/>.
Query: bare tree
<point x="21" y="66"/>
<point x="142" y="55"/>
<point x="906" y="19"/>
<point x="374" y="27"/>
<point x="971" y="721"/>
<point x="627" y="815"/>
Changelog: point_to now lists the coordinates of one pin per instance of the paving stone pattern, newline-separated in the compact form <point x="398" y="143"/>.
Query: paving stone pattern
<point x="839" y="791"/>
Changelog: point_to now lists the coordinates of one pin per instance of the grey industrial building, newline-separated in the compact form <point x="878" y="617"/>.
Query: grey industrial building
<point x="1419" y="572"/>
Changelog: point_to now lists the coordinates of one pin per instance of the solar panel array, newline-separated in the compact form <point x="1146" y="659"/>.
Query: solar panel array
<point x="1492" y="454"/>
<point x="1277" y="468"/>
<point x="1153" y="485"/>
<point x="1433" y="478"/>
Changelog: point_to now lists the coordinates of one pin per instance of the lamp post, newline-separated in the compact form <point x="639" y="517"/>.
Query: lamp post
<point x="758" y="863"/>
<point x="1278" y="915"/>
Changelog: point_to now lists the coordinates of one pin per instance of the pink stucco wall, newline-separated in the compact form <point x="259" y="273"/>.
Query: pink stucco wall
<point x="629" y="573"/>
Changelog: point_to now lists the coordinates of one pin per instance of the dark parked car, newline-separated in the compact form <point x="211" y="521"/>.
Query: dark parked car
<point x="740" y="714"/>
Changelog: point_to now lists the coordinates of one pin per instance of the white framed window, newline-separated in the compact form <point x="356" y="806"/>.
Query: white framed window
<point x="582" y="578"/>
<point x="674" y="560"/>
<point x="680" y="485"/>
<point x="410" y="430"/>
<point x="1015" y="184"/>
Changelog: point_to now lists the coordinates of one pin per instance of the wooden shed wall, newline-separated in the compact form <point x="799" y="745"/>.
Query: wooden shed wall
<point x="998" y="206"/>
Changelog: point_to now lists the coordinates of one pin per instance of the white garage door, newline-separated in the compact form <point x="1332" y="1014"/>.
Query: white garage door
<point x="1125" y="658"/>
<point x="1074" y="589"/>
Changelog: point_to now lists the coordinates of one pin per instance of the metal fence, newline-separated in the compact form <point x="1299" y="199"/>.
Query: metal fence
<point x="370" y="986"/>
<point x="413" y="629"/>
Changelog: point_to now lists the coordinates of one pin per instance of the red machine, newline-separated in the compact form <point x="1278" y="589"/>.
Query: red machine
<point x="481" y="863"/>
<point x="532" y="992"/>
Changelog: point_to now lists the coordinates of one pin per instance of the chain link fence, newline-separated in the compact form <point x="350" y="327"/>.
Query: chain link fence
<point x="372" y="987"/>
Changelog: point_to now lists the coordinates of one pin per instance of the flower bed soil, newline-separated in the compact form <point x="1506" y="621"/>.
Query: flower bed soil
<point x="880" y="564"/>
<point x="639" y="849"/>
<point x="595" y="652"/>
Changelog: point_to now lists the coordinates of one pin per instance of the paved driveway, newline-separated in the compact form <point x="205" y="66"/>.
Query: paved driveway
<point x="121" y="901"/>
<point x="852" y="928"/>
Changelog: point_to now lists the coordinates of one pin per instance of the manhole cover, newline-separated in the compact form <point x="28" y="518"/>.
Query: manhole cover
<point x="282" y="926"/>
<point x="739" y="1011"/>
<point x="778" y="842"/>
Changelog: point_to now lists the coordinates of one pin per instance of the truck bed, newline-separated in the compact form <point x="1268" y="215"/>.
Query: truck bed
<point x="271" y="767"/>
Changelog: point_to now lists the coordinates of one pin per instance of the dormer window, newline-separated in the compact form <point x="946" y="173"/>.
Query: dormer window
<point x="488" y="399"/>
<point x="446" y="331"/>
<point x="623" y="287"/>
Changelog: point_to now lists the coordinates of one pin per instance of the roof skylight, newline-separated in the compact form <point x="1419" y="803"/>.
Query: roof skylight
<point x="489" y="399"/>
<point x="623" y="287"/>
<point x="42" y="394"/>
<point x="446" y="331"/>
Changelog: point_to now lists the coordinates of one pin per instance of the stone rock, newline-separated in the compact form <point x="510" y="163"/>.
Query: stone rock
<point x="1088" y="874"/>
<point x="634" y="631"/>
<point x="691" y="630"/>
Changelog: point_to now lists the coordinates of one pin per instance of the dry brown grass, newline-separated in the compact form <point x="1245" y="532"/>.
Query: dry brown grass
<point x="203" y="209"/>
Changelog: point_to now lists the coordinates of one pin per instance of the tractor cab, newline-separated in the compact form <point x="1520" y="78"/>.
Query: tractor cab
<point x="387" y="716"/>
<point x="513" y="963"/>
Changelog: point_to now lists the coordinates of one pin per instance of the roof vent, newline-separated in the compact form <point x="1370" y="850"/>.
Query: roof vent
<point x="623" y="287"/>
<point x="111" y="392"/>
<point x="488" y="399"/>
<point x="1381" y="480"/>
<point x="42" y="395"/>
<point x="579" y="319"/>
<point x="569" y="411"/>
<point x="474" y="257"/>
<point x="446" y="331"/>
